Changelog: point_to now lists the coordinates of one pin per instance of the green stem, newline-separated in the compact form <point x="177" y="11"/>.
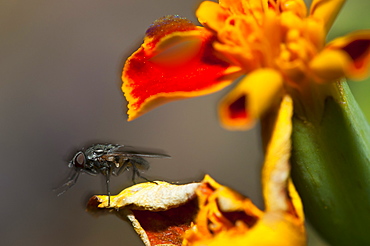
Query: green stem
<point x="331" y="167"/>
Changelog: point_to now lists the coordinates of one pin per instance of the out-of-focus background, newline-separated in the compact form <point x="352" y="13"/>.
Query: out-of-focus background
<point x="60" y="66"/>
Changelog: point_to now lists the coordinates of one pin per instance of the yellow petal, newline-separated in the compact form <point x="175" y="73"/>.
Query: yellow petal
<point x="145" y="196"/>
<point x="296" y="201"/>
<point x="356" y="46"/>
<point x="271" y="230"/>
<point x="279" y="192"/>
<point x="329" y="66"/>
<point x="212" y="15"/>
<point x="250" y="99"/>
<point x="276" y="168"/>
<point x="236" y="6"/>
<point x="326" y="10"/>
<point x="346" y="56"/>
<point x="220" y="209"/>
<point x="298" y="7"/>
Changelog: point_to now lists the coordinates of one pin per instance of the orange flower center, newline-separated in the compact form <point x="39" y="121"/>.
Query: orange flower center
<point x="279" y="37"/>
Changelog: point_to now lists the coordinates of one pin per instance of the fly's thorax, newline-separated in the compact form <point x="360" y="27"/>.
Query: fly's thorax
<point x="96" y="151"/>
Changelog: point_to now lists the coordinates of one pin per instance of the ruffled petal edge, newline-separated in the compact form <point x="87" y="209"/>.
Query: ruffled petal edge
<point x="345" y="56"/>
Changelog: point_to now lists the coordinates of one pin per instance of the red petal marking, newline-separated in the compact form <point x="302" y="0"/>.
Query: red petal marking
<point x="357" y="50"/>
<point x="167" y="227"/>
<point x="147" y="78"/>
<point x="238" y="216"/>
<point x="237" y="109"/>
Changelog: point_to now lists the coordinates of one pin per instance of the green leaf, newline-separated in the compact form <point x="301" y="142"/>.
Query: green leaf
<point x="331" y="168"/>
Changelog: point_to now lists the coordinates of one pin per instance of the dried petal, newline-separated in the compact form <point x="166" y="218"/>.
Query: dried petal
<point x="159" y="212"/>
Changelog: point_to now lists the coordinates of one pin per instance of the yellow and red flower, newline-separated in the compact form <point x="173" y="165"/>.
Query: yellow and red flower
<point x="276" y="45"/>
<point x="277" y="48"/>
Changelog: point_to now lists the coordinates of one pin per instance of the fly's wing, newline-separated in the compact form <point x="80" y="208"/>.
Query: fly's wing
<point x="129" y="151"/>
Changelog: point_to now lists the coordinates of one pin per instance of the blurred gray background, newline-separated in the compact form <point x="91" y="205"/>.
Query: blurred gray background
<point x="60" y="67"/>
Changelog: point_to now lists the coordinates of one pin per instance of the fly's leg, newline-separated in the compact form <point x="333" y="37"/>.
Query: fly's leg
<point x="107" y="171"/>
<point x="123" y="166"/>
<point x="136" y="172"/>
<point x="70" y="182"/>
<point x="107" y="178"/>
<point x="136" y="164"/>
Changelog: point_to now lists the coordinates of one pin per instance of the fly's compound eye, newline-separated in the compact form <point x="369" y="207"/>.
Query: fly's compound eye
<point x="79" y="160"/>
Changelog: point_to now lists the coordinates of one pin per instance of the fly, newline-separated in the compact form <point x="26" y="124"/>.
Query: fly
<point x="108" y="159"/>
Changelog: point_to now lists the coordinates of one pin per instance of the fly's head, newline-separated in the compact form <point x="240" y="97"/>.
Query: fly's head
<point x="78" y="161"/>
<point x="85" y="162"/>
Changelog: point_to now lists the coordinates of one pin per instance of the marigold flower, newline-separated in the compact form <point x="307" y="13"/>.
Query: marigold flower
<point x="278" y="45"/>
<point x="208" y="213"/>
<point x="277" y="48"/>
